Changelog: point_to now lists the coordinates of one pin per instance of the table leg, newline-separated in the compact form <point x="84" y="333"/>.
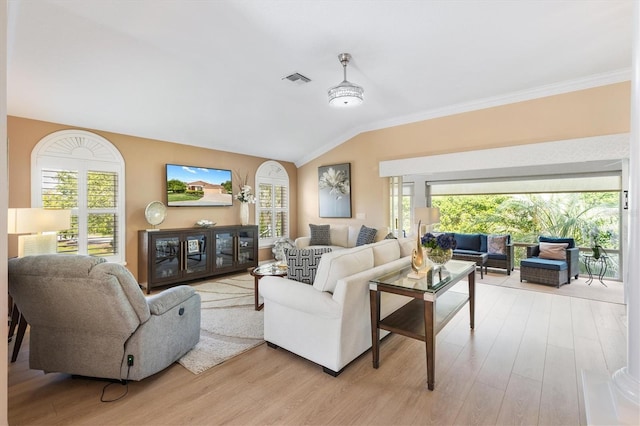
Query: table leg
<point x="603" y="271"/>
<point x="587" y="264"/>
<point x="22" y="328"/>
<point x="374" y="299"/>
<point x="15" y="318"/>
<point x="472" y="298"/>
<point x="430" y="342"/>
<point x="257" y="306"/>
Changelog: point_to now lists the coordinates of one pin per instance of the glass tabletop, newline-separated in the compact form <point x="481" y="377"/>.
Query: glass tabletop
<point x="453" y="271"/>
<point x="273" y="268"/>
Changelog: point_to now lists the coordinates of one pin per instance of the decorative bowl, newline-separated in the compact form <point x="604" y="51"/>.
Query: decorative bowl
<point x="204" y="223"/>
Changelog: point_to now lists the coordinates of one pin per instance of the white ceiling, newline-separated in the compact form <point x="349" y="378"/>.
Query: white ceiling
<point x="209" y="72"/>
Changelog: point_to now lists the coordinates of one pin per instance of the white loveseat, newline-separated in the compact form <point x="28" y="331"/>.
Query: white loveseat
<point x="342" y="236"/>
<point x="329" y="322"/>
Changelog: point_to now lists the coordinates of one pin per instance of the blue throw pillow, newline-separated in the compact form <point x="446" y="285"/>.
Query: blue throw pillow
<point x="366" y="236"/>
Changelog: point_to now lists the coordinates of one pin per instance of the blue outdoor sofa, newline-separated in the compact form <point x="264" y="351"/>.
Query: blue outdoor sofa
<point x="498" y="248"/>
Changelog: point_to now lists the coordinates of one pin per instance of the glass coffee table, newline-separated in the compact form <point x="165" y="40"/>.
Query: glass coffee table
<point x="432" y="307"/>
<point x="273" y="269"/>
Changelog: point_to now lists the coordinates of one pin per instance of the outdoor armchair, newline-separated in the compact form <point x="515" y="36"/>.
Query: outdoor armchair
<point x="552" y="261"/>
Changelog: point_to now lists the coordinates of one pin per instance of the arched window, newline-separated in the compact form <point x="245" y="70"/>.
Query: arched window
<point x="84" y="172"/>
<point x="272" y="204"/>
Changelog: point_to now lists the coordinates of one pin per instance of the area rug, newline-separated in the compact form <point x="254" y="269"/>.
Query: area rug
<point x="229" y="323"/>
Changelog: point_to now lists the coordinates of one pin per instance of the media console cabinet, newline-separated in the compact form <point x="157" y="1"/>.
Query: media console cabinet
<point x="173" y="256"/>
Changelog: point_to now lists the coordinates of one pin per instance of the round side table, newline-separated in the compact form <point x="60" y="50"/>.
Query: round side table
<point x="268" y="269"/>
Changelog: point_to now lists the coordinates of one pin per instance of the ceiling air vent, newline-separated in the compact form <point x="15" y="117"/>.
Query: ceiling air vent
<point x="297" y="78"/>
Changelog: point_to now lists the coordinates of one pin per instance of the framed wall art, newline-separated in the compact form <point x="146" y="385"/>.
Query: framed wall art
<point x="334" y="190"/>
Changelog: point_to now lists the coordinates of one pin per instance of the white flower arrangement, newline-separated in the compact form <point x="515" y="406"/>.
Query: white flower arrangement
<point x="244" y="195"/>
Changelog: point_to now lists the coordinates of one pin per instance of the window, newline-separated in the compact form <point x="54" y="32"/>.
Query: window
<point x="401" y="205"/>
<point x="84" y="172"/>
<point x="272" y="204"/>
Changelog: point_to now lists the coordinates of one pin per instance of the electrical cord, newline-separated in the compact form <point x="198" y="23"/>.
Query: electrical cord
<point x="122" y="382"/>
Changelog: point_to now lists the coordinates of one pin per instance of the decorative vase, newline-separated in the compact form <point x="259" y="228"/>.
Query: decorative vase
<point x="244" y="213"/>
<point x="596" y="252"/>
<point x="439" y="256"/>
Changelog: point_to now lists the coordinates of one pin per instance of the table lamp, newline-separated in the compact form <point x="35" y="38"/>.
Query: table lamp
<point x="427" y="216"/>
<point x="43" y="224"/>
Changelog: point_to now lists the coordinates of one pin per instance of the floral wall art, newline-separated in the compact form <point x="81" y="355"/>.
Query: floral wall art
<point x="334" y="190"/>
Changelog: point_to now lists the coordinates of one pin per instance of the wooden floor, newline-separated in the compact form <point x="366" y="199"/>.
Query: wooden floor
<point x="521" y="365"/>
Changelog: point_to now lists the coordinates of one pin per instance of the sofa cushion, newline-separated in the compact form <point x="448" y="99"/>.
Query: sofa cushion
<point x="385" y="251"/>
<point x="497" y="256"/>
<point x="340" y="264"/>
<point x="320" y="235"/>
<point x="407" y="245"/>
<point x="555" y="251"/>
<point x="467" y="241"/>
<point x="535" y="262"/>
<point x="366" y="236"/>
<point x="484" y="243"/>
<point x="571" y="243"/>
<point x="471" y="252"/>
<point x="497" y="244"/>
<point x="339" y="235"/>
<point x="303" y="263"/>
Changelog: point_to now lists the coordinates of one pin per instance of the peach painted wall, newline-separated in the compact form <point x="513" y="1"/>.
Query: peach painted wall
<point x="592" y="112"/>
<point x="145" y="161"/>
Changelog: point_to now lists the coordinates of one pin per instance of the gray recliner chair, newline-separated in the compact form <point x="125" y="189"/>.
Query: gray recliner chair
<point x="89" y="317"/>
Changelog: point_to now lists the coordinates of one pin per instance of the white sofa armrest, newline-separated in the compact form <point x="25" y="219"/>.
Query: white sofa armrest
<point x="302" y="242"/>
<point x="299" y="296"/>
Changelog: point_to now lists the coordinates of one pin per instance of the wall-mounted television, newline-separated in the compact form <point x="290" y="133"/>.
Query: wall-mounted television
<point x="191" y="186"/>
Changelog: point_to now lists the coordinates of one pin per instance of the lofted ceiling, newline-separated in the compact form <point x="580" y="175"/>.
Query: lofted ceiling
<point x="210" y="73"/>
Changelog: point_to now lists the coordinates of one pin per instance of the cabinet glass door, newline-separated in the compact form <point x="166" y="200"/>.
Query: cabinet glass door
<point x="225" y="249"/>
<point x="196" y="252"/>
<point x="167" y="257"/>
<point x="246" y="249"/>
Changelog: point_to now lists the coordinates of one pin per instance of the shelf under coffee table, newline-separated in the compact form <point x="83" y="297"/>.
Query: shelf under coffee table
<point x="432" y="308"/>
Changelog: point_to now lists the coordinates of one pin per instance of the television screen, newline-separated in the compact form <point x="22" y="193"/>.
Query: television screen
<point x="198" y="186"/>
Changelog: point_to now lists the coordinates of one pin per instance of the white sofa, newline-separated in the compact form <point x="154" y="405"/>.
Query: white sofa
<point x="329" y="322"/>
<point x="342" y="236"/>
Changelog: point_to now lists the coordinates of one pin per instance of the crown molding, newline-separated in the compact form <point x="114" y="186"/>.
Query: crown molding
<point x="589" y="82"/>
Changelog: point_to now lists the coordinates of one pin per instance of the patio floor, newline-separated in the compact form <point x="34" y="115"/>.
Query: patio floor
<point x="614" y="292"/>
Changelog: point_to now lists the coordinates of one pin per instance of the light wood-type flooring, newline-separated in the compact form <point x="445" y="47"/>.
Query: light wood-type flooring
<point x="521" y="365"/>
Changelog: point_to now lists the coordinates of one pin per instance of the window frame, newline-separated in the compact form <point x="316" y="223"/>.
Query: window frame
<point x="83" y="152"/>
<point x="273" y="173"/>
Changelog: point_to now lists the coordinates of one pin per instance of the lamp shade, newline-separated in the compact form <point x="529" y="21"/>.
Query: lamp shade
<point x="33" y="220"/>
<point x="427" y="215"/>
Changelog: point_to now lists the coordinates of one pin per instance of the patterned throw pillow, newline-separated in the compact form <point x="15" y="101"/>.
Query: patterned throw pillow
<point x="555" y="251"/>
<point x="320" y="235"/>
<point x="390" y="236"/>
<point x="496" y="244"/>
<point x="303" y="263"/>
<point x="366" y="236"/>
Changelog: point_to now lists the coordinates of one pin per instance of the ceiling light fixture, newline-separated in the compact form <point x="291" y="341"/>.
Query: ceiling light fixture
<point x="346" y="93"/>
